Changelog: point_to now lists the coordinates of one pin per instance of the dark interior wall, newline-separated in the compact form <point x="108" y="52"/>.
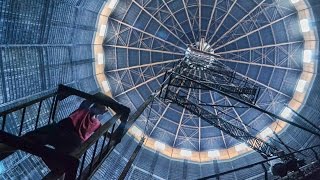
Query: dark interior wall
<point x="311" y="110"/>
<point x="313" y="100"/>
<point x="44" y="43"/>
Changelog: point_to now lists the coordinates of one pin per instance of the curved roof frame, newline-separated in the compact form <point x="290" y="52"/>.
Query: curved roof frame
<point x="174" y="47"/>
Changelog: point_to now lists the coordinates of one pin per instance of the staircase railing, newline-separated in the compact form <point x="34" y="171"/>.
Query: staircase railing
<point x="81" y="163"/>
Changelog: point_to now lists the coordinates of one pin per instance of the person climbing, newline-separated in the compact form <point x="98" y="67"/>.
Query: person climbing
<point x="68" y="134"/>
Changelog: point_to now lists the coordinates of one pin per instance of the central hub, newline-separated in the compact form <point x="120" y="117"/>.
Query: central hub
<point x="200" y="55"/>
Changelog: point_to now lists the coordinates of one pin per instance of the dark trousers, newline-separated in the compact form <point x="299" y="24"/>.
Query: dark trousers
<point x="62" y="136"/>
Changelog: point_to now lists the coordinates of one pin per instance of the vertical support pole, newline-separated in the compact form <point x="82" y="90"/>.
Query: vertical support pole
<point x="4" y="119"/>
<point x="216" y="168"/>
<point x="3" y="80"/>
<point x="102" y="146"/>
<point x="38" y="115"/>
<point x="93" y="156"/>
<point x="42" y="68"/>
<point x="184" y="169"/>
<point x="164" y="79"/>
<point x="170" y="78"/>
<point x="22" y="120"/>
<point x="82" y="164"/>
<point x="51" y="108"/>
<point x="54" y="109"/>
<point x="265" y="171"/>
<point x="304" y="118"/>
<point x="112" y="131"/>
<point x="131" y="160"/>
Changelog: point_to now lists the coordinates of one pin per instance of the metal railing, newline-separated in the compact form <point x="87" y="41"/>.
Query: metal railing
<point x="81" y="163"/>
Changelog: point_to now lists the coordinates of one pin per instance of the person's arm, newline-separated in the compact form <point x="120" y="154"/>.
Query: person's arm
<point x="84" y="105"/>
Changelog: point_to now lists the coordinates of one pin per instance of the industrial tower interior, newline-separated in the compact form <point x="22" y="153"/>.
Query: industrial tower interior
<point x="175" y="89"/>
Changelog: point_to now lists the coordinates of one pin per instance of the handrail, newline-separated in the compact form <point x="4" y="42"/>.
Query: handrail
<point x="66" y="160"/>
<point x="65" y="91"/>
<point x="20" y="106"/>
<point x="131" y="120"/>
<point x="94" y="138"/>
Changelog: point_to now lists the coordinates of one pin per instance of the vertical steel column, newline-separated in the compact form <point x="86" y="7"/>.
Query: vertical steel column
<point x="22" y="120"/>
<point x="131" y="160"/>
<point x="305" y="119"/>
<point x="184" y="169"/>
<point x="216" y="168"/>
<point x="38" y="115"/>
<point x="265" y="171"/>
<point x="3" y="79"/>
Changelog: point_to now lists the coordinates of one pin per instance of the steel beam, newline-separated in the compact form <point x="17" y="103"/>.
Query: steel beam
<point x="131" y="160"/>
<point x="143" y="65"/>
<point x="256" y="30"/>
<point x="252" y="106"/>
<point x="238" y="23"/>
<point x="191" y="81"/>
<point x="142" y="49"/>
<point x="234" y="131"/>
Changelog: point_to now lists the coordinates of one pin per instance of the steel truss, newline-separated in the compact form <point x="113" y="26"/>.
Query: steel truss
<point x="267" y="150"/>
<point x="193" y="73"/>
<point x="185" y="75"/>
<point x="201" y="70"/>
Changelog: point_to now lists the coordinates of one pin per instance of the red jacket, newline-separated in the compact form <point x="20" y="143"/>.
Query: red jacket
<point x="84" y="122"/>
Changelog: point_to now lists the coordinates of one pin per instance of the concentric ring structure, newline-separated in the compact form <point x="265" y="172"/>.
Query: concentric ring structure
<point x="260" y="40"/>
<point x="124" y="48"/>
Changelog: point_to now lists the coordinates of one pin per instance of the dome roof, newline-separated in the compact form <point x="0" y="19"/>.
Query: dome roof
<point x="260" y="40"/>
<point x="46" y="43"/>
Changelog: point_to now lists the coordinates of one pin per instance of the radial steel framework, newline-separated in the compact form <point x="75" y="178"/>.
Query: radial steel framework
<point x="201" y="70"/>
<point x="256" y="40"/>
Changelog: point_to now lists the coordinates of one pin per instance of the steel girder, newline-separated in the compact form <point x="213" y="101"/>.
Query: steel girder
<point x="189" y="80"/>
<point x="184" y="76"/>
<point x="255" y="143"/>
